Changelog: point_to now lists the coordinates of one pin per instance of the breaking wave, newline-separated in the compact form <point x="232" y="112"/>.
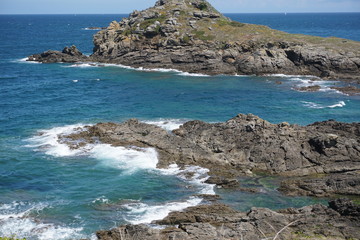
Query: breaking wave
<point x="320" y="106"/>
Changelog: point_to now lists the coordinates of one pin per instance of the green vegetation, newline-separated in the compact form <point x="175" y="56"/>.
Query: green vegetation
<point x="236" y="24"/>
<point x="202" y="36"/>
<point x="203" y="6"/>
<point x="224" y="22"/>
<point x="11" y="238"/>
<point x="146" y="23"/>
<point x="185" y="39"/>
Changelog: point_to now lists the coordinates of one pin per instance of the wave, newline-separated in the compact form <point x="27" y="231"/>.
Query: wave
<point x="291" y="76"/>
<point x="319" y="106"/>
<point x="25" y="60"/>
<point x="16" y="220"/>
<point x="48" y="141"/>
<point x="128" y="160"/>
<point x="142" y="69"/>
<point x="144" y="213"/>
<point x="186" y="74"/>
<point x="167" y="124"/>
<point x="83" y="65"/>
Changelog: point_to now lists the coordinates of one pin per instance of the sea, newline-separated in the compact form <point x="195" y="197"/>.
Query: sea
<point x="48" y="191"/>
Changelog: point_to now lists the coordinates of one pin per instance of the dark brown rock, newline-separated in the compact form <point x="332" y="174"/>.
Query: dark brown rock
<point x="241" y="145"/>
<point x="192" y="36"/>
<point x="338" y="221"/>
<point x="350" y="90"/>
<point x="323" y="185"/>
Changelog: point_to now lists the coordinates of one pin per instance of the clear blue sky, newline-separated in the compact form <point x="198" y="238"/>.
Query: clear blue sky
<point x="126" y="6"/>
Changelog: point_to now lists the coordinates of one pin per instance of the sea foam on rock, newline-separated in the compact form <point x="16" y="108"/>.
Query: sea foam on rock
<point x="240" y="146"/>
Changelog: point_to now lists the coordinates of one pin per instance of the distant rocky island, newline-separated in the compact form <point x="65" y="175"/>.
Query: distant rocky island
<point x="192" y="36"/>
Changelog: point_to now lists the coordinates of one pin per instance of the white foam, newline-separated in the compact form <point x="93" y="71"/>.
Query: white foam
<point x="48" y="141"/>
<point x="319" y="106"/>
<point x="15" y="220"/>
<point x="83" y="65"/>
<point x="142" y="69"/>
<point x="291" y="76"/>
<point x="143" y="213"/>
<point x="25" y="60"/>
<point x="339" y="104"/>
<point x="129" y="159"/>
<point x="167" y="124"/>
<point x="193" y="74"/>
<point x="198" y="177"/>
<point x="101" y="199"/>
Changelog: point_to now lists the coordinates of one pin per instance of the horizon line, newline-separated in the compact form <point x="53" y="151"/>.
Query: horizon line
<point x="129" y="13"/>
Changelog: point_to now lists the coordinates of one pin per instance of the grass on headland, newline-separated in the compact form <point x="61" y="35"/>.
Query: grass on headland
<point x="11" y="238"/>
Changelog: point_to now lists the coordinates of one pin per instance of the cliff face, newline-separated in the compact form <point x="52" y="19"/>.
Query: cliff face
<point x="190" y="35"/>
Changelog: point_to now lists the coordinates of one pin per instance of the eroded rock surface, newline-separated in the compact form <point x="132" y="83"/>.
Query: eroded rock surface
<point x="340" y="220"/>
<point x="245" y="143"/>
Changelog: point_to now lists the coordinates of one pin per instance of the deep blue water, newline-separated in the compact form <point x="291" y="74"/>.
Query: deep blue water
<point x="50" y="192"/>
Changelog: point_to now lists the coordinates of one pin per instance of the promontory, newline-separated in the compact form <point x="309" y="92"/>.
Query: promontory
<point x="192" y="36"/>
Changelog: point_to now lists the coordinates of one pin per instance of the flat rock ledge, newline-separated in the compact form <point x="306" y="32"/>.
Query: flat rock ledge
<point x="323" y="156"/>
<point x="338" y="221"/>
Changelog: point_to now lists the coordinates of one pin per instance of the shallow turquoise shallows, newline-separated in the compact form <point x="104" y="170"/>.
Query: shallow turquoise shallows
<point x="48" y="191"/>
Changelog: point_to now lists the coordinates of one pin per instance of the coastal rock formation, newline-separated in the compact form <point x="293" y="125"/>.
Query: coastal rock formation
<point x="340" y="220"/>
<point x="190" y="35"/>
<point x="323" y="185"/>
<point x="68" y="54"/>
<point x="244" y="145"/>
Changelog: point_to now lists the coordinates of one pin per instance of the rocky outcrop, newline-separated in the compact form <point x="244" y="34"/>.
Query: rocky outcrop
<point x="68" y="54"/>
<point x="190" y="35"/>
<point x="340" y="220"/>
<point x="323" y="185"/>
<point x="245" y="143"/>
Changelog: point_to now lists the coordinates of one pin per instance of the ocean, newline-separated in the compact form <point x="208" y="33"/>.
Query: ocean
<point x="48" y="191"/>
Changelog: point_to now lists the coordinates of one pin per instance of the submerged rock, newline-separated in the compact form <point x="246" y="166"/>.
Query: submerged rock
<point x="192" y="36"/>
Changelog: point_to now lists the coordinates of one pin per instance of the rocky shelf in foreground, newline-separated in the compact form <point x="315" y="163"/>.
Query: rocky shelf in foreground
<point x="339" y="221"/>
<point x="192" y="36"/>
<point x="320" y="159"/>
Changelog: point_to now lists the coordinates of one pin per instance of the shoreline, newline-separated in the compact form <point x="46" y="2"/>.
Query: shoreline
<point x="349" y="90"/>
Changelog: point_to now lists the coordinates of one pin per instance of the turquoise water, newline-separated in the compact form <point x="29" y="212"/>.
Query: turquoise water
<point x="50" y="192"/>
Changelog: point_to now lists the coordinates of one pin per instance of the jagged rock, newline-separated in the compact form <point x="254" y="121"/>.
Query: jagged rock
<point x="68" y="54"/>
<point x="341" y="220"/>
<point x="241" y="145"/>
<point x="254" y="49"/>
<point x="323" y="186"/>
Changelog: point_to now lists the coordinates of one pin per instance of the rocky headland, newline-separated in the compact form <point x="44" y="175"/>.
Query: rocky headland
<point x="192" y="36"/>
<point x="321" y="159"/>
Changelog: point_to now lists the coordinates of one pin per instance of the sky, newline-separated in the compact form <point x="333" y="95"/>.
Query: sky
<point x="126" y="6"/>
